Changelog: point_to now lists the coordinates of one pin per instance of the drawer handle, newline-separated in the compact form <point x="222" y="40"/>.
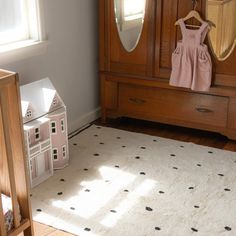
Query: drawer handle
<point x="137" y="100"/>
<point x="203" y="110"/>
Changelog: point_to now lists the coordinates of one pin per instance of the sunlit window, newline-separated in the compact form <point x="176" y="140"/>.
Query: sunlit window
<point x="19" y="21"/>
<point x="133" y="9"/>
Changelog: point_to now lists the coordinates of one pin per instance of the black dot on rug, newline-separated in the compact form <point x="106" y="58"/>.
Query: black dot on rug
<point x="149" y="209"/>
<point x="85" y="169"/>
<point x="137" y="157"/>
<point x="157" y="228"/>
<point x="221" y="175"/>
<point x="38" y="210"/>
<point x="118" y="137"/>
<point x="95" y="135"/>
<point x="143" y="147"/>
<point x="101" y="143"/>
<point x="196" y="206"/>
<point x="199" y="165"/>
<point x="113" y="211"/>
<point x="175" y="168"/>
<point x="172" y="155"/>
<point x="126" y="190"/>
<point x="142" y="173"/>
<point x="62" y="180"/>
<point x="72" y="208"/>
<point x="31" y="195"/>
<point x="161" y="192"/>
<point x="87" y="229"/>
<point x="124" y="146"/>
<point x="210" y="152"/>
<point x="116" y="166"/>
<point x="194" y="230"/>
<point x="182" y="146"/>
<point x="191" y="188"/>
<point x="227" y="189"/>
<point x="96" y="154"/>
<point x="75" y="144"/>
<point x="228" y="228"/>
<point x="87" y="190"/>
<point x="154" y="140"/>
<point x="59" y="193"/>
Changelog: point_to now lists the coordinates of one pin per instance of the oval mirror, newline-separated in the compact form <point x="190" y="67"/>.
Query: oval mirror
<point x="222" y="36"/>
<point x="129" y="15"/>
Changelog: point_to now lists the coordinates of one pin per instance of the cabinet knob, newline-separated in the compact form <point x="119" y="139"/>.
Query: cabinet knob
<point x="203" y="110"/>
<point x="137" y="100"/>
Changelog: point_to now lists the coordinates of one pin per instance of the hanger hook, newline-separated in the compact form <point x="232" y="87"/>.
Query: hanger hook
<point x="194" y="2"/>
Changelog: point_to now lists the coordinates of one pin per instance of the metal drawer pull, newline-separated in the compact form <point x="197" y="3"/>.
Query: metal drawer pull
<point x="204" y="110"/>
<point x="137" y="100"/>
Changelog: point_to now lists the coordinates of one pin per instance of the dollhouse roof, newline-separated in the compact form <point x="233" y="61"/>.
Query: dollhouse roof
<point x="24" y="107"/>
<point x="43" y="97"/>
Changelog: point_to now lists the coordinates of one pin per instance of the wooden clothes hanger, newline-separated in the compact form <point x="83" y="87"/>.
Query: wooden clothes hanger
<point x="194" y="14"/>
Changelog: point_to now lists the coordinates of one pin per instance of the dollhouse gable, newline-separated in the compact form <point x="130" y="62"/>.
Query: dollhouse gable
<point x="42" y="95"/>
<point x="28" y="111"/>
<point x="52" y="100"/>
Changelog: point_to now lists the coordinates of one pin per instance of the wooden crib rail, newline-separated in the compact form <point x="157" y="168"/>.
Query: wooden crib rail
<point x="13" y="176"/>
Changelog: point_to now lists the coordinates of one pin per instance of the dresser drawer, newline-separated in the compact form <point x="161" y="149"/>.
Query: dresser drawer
<point x="172" y="105"/>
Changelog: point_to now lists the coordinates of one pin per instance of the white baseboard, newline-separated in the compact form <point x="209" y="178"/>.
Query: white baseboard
<point x="84" y="120"/>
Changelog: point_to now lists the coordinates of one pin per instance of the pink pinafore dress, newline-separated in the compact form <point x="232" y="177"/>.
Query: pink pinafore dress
<point x="191" y="61"/>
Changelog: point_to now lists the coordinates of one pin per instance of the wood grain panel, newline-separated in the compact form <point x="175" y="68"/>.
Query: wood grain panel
<point x="182" y="106"/>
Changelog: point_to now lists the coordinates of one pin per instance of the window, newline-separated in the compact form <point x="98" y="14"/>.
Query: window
<point x="62" y="125"/>
<point x="54" y="154"/>
<point x="53" y="127"/>
<point x="133" y="9"/>
<point x="130" y="13"/>
<point x="29" y="139"/>
<point x="37" y="133"/>
<point x="54" y="101"/>
<point x="19" y="20"/>
<point x="64" y="151"/>
<point x="20" y="29"/>
<point x="31" y="166"/>
<point x="29" y="114"/>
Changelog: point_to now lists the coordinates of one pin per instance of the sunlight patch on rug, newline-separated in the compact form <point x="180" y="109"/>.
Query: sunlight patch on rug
<point x="131" y="184"/>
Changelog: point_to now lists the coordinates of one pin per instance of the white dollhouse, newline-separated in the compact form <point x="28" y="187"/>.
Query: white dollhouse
<point x="45" y="129"/>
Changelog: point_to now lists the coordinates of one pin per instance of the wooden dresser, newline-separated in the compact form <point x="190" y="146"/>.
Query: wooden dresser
<point x="136" y="84"/>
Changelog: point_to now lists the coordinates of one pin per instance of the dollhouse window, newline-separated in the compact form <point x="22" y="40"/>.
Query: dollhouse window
<point x="55" y="154"/>
<point x="29" y="114"/>
<point x="37" y="133"/>
<point x="64" y="151"/>
<point x="54" y="101"/>
<point x="53" y="127"/>
<point x="31" y="165"/>
<point x="29" y="139"/>
<point x="62" y="125"/>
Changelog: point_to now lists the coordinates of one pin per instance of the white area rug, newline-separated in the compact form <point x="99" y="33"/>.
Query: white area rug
<point x="128" y="184"/>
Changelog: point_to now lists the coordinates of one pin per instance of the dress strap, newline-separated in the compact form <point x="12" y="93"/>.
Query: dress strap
<point x="182" y="27"/>
<point x="203" y="31"/>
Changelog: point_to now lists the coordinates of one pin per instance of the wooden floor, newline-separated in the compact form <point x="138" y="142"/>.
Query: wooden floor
<point x="183" y="134"/>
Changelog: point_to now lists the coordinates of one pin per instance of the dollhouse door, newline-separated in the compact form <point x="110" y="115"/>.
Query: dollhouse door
<point x="41" y="164"/>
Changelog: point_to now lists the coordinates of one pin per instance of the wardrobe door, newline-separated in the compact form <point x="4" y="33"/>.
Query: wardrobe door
<point x="115" y="54"/>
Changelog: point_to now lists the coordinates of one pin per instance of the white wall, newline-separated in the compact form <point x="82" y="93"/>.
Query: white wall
<point x="71" y="60"/>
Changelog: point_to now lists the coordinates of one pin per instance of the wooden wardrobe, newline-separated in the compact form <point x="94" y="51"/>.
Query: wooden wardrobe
<point x="136" y="84"/>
